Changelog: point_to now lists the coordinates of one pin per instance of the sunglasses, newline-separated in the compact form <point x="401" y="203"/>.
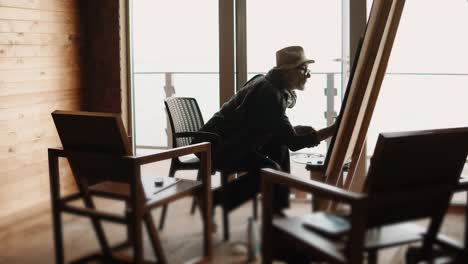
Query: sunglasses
<point x="304" y="70"/>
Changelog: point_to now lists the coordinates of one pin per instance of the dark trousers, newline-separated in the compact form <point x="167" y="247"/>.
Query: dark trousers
<point x="246" y="186"/>
<point x="279" y="153"/>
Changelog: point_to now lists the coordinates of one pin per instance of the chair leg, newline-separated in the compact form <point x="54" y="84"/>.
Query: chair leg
<point x="194" y="206"/>
<point x="154" y="238"/>
<point x="431" y="236"/>
<point x="206" y="214"/>
<point x="162" y="218"/>
<point x="172" y="169"/>
<point x="129" y="229"/>
<point x="225" y="224"/>
<point x="372" y="257"/>
<point x="137" y="239"/>
<point x="411" y="255"/>
<point x="194" y="201"/>
<point x="58" y="236"/>
<point x="224" y="203"/>
<point x="464" y="255"/>
<point x="98" y="227"/>
<point x="54" y="180"/>
<point x="255" y="207"/>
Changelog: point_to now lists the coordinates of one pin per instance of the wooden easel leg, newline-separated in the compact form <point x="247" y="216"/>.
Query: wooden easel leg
<point x="154" y="238"/>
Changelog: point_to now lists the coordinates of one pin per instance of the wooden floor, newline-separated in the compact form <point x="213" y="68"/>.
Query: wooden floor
<point x="30" y="240"/>
<point x="27" y="238"/>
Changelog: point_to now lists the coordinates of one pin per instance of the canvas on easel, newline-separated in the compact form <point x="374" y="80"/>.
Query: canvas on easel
<point x="363" y="90"/>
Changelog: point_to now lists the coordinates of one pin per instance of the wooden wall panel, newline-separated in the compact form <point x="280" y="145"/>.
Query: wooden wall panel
<point x="40" y="71"/>
<point x="24" y="51"/>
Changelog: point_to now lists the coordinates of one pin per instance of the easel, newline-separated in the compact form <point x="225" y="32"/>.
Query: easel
<point x="361" y="95"/>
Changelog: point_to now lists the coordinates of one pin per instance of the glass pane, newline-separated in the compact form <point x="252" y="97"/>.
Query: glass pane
<point x="414" y="102"/>
<point x="203" y="87"/>
<point x="315" y="25"/>
<point x="150" y="118"/>
<point x="426" y="80"/>
<point x="173" y="37"/>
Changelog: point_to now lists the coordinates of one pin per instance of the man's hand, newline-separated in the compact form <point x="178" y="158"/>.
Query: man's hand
<point x="326" y="132"/>
<point x="303" y="130"/>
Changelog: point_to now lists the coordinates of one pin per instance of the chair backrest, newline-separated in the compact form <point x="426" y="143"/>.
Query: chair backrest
<point x="415" y="162"/>
<point x="98" y="133"/>
<point x="184" y="116"/>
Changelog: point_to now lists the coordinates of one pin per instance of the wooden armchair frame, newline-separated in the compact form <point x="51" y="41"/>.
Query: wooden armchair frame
<point x="139" y="207"/>
<point x="98" y="152"/>
<point x="407" y="181"/>
<point x="359" y="204"/>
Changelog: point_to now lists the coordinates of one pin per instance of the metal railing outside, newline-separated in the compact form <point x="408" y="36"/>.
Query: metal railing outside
<point x="330" y="91"/>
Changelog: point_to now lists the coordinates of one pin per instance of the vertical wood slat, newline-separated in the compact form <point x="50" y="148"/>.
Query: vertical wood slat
<point x="103" y="66"/>
<point x="40" y="72"/>
<point x="226" y="50"/>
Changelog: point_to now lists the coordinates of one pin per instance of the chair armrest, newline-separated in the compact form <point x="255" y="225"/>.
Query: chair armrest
<point x="171" y="153"/>
<point x="202" y="136"/>
<point x="270" y="176"/>
<point x="137" y="160"/>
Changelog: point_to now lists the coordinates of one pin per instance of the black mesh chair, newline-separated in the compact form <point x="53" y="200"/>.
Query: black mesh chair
<point x="184" y="117"/>
<point x="186" y="120"/>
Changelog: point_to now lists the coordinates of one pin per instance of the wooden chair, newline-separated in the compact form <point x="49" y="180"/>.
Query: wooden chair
<point x="411" y="176"/>
<point x="99" y="154"/>
<point x="186" y="120"/>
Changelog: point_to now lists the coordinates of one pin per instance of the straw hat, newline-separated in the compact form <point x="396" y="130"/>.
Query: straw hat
<point x="291" y="57"/>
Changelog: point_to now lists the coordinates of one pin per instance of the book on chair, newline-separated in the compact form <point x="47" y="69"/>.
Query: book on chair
<point x="328" y="225"/>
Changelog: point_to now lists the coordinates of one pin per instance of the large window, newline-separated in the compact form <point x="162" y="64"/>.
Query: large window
<point x="175" y="49"/>
<point x="426" y="82"/>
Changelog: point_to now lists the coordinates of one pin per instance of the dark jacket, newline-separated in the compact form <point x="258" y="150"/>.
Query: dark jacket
<point x="255" y="115"/>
